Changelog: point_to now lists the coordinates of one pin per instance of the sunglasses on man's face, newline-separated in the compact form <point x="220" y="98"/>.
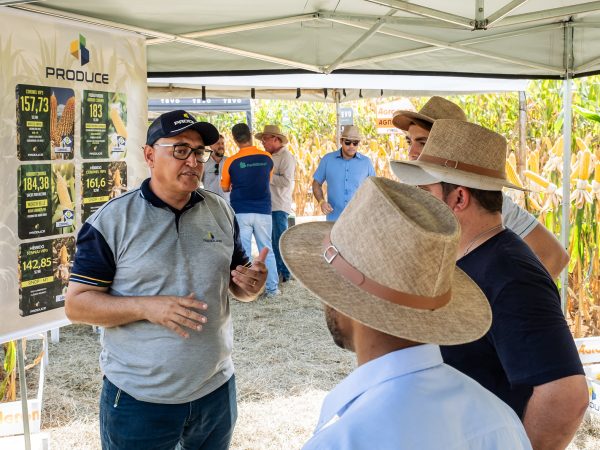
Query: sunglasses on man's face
<point x="349" y="142"/>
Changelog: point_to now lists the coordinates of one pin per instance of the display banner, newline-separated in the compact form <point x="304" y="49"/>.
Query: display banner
<point x="73" y="118"/>
<point x="385" y="114"/>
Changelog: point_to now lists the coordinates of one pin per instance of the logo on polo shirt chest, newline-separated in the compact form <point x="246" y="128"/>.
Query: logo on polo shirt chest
<point x="243" y="165"/>
<point x="211" y="238"/>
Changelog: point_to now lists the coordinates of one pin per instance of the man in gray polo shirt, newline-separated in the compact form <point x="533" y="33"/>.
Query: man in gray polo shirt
<point x="154" y="266"/>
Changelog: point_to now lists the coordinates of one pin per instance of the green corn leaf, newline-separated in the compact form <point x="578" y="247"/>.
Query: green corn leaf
<point x="590" y="115"/>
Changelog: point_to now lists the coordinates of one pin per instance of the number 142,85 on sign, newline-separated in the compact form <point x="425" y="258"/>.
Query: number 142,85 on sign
<point x="34" y="264"/>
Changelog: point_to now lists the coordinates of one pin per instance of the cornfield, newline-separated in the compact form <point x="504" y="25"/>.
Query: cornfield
<point x="310" y="128"/>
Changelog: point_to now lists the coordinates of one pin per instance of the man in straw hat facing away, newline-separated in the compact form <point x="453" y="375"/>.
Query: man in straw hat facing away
<point x="528" y="358"/>
<point x="282" y="186"/>
<point x="392" y="302"/>
<point x="542" y="242"/>
<point x="343" y="170"/>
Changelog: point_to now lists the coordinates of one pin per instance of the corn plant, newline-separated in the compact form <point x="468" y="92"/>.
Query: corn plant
<point x="8" y="372"/>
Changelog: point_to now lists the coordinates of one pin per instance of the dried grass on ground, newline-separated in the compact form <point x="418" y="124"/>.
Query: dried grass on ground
<point x="285" y="363"/>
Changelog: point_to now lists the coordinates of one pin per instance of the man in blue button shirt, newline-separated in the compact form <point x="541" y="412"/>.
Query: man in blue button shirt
<point x="343" y="170"/>
<point x="392" y="301"/>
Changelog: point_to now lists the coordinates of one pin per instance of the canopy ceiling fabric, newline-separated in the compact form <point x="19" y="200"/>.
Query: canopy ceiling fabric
<point x="501" y="38"/>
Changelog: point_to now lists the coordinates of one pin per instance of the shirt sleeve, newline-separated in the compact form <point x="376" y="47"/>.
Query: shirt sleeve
<point x="239" y="257"/>
<point x="94" y="262"/>
<point x="516" y="218"/>
<point x="287" y="171"/>
<point x="225" y="177"/>
<point x="319" y="175"/>
<point x="531" y="335"/>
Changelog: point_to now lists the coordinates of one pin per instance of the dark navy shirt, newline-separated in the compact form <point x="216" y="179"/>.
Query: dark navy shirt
<point x="529" y="343"/>
<point x="248" y="174"/>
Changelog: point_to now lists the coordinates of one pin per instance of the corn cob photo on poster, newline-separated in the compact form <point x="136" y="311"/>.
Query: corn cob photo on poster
<point x="44" y="269"/>
<point x="103" y="125"/>
<point x="45" y="123"/>
<point x="101" y="181"/>
<point x="46" y="199"/>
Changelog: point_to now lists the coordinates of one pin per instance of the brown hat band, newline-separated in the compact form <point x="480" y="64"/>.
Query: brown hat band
<point x="462" y="166"/>
<point x="356" y="277"/>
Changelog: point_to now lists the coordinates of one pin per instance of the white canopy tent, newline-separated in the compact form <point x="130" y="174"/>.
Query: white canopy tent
<point x="526" y="39"/>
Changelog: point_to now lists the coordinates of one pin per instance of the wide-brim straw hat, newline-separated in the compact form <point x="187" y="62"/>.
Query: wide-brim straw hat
<point x="435" y="108"/>
<point x="273" y="130"/>
<point x="401" y="243"/>
<point x="460" y="153"/>
<point x="351" y="132"/>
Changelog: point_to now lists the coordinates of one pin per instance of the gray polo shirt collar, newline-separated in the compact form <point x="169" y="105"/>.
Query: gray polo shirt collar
<point x="153" y="199"/>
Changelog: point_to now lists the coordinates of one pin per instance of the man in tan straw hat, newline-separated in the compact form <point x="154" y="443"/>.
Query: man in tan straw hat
<point x="392" y="302"/>
<point x="343" y="170"/>
<point x="282" y="186"/>
<point x="528" y="358"/>
<point x="417" y="125"/>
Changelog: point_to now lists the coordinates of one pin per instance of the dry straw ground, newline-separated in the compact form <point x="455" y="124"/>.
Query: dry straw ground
<point x="285" y="363"/>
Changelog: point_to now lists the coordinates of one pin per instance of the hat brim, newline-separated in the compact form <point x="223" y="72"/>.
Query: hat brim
<point x="465" y="318"/>
<point x="284" y="139"/>
<point x="402" y="119"/>
<point x="207" y="131"/>
<point x="419" y="173"/>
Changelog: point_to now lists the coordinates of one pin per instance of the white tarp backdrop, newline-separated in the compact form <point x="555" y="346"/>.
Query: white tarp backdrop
<point x="73" y="110"/>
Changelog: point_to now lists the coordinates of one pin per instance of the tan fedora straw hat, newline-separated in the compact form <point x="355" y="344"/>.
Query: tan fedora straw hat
<point x="273" y="130"/>
<point x="389" y="263"/>
<point x="351" y="132"/>
<point x="461" y="153"/>
<point x="435" y="108"/>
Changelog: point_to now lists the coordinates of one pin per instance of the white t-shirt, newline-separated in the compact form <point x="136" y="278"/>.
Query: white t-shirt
<point x="516" y="218"/>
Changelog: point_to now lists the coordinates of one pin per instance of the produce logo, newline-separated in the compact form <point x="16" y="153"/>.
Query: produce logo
<point x="211" y="238"/>
<point x="79" y="50"/>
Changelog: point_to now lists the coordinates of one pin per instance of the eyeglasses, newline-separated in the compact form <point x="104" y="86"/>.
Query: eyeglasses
<point x="348" y="142"/>
<point x="216" y="171"/>
<point x="266" y="137"/>
<point x="183" y="151"/>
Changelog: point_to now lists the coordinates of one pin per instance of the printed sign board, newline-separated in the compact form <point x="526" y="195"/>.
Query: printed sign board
<point x="73" y="105"/>
<point x="385" y="113"/>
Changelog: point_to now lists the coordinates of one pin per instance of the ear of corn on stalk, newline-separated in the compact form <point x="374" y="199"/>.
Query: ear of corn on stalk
<point x="511" y="173"/>
<point x="537" y="179"/>
<point x="558" y="146"/>
<point x="585" y="164"/>
<point x="533" y="161"/>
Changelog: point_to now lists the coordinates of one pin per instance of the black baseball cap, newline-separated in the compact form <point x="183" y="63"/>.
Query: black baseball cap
<point x="176" y="122"/>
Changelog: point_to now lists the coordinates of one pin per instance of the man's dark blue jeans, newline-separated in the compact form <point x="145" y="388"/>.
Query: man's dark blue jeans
<point x="206" y="423"/>
<point x="280" y="224"/>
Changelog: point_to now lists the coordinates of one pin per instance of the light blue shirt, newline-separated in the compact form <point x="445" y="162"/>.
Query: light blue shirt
<point x="411" y="400"/>
<point x="343" y="177"/>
